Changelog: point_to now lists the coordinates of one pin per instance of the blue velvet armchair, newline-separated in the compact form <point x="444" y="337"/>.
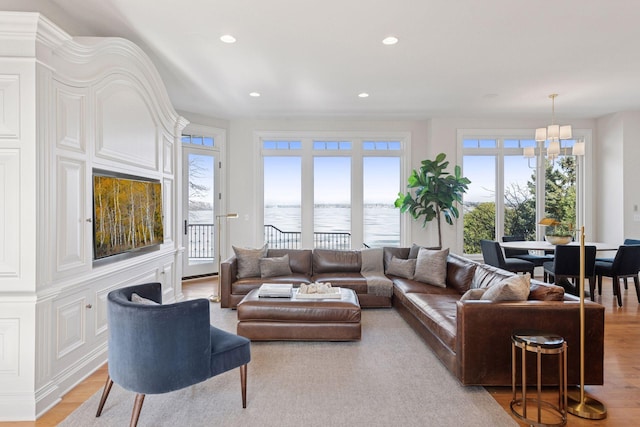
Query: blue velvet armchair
<point x="155" y="348"/>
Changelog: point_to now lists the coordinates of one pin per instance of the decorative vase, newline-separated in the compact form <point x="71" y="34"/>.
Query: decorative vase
<point x="558" y="240"/>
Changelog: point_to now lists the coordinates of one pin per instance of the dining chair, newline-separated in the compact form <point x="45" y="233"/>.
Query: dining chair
<point x="625" y="264"/>
<point x="566" y="265"/>
<point x="156" y="348"/>
<point x="627" y="242"/>
<point x="492" y="255"/>
<point x="524" y="254"/>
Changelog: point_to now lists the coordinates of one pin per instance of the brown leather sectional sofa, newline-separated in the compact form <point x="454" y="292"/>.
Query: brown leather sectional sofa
<point x="340" y="268"/>
<point x="472" y="338"/>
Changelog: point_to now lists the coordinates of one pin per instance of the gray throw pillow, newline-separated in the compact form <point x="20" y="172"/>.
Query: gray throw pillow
<point x="413" y="252"/>
<point x="473" y="294"/>
<point x="141" y="300"/>
<point x="249" y="261"/>
<point x="402" y="267"/>
<point x="275" y="266"/>
<point x="431" y="267"/>
<point x="514" y="288"/>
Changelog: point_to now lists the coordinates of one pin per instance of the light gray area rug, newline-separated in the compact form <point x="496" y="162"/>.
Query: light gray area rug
<point x="390" y="378"/>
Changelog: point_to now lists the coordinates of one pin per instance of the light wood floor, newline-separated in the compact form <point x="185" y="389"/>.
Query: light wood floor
<point x="620" y="393"/>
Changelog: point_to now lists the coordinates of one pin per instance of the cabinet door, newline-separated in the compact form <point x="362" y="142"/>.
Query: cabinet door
<point x="73" y="223"/>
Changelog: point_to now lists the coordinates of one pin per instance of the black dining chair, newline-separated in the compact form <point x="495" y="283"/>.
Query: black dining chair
<point x="492" y="255"/>
<point x="627" y="242"/>
<point x="625" y="264"/>
<point x="524" y="254"/>
<point x="566" y="265"/>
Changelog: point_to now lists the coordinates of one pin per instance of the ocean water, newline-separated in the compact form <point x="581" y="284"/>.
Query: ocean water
<point x="381" y="223"/>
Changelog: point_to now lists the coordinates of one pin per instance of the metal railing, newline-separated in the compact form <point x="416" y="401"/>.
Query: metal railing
<point x="279" y="239"/>
<point x="201" y="241"/>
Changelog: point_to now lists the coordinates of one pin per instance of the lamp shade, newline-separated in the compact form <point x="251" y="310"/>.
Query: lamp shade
<point x="578" y="148"/>
<point x="541" y="134"/>
<point x="554" y="148"/>
<point x="553" y="131"/>
<point x="529" y="152"/>
<point x="565" y="132"/>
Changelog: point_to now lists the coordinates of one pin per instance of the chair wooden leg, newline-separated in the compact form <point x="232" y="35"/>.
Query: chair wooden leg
<point x="137" y="407"/>
<point x="616" y="287"/>
<point x="592" y="288"/>
<point x="105" y="394"/>
<point x="636" y="282"/>
<point x="243" y="383"/>
<point x="600" y="284"/>
<point x="626" y="286"/>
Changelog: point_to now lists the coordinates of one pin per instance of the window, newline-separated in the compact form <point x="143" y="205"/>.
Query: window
<point x="509" y="194"/>
<point x="331" y="191"/>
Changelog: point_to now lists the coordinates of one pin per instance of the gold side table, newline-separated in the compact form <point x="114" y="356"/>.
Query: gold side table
<point x="539" y="343"/>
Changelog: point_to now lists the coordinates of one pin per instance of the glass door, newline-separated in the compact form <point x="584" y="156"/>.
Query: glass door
<point x="200" y="187"/>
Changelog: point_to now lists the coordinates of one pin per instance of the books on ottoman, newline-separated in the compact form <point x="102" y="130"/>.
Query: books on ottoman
<point x="276" y="290"/>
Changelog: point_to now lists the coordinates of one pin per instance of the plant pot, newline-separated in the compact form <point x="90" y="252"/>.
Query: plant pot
<point x="558" y="240"/>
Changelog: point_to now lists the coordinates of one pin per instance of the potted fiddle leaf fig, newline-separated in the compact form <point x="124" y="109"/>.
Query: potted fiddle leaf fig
<point x="434" y="193"/>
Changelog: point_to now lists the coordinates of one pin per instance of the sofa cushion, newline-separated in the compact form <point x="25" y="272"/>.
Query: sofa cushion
<point x="275" y="266"/>
<point x="486" y="275"/>
<point x="545" y="292"/>
<point x="299" y="259"/>
<point x="514" y="288"/>
<point x="431" y="267"/>
<point x="460" y="273"/>
<point x="249" y="261"/>
<point x="402" y="267"/>
<point x="335" y="261"/>
<point x="438" y="312"/>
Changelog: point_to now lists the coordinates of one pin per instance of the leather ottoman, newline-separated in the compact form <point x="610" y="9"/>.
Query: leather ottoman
<point x="271" y="319"/>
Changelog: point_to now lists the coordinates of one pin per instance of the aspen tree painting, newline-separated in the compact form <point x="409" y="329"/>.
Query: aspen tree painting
<point x="127" y="214"/>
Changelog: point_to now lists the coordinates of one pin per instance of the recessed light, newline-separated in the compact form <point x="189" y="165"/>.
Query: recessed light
<point x="390" y="40"/>
<point x="254" y="94"/>
<point x="227" y="38"/>
<point x="363" y="95"/>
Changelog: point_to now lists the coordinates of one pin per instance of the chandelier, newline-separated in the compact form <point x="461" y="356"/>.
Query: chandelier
<point x="554" y="133"/>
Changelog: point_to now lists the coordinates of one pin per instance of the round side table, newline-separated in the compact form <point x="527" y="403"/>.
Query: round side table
<point x="540" y="343"/>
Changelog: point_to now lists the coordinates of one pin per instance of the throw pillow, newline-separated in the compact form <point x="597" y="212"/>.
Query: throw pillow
<point x="413" y="252"/>
<point x="460" y="273"/>
<point x="514" y="288"/>
<point x="473" y="294"/>
<point x="545" y="292"/>
<point x="275" y="266"/>
<point x="249" y="261"/>
<point x="431" y="267"/>
<point x="402" y="267"/>
<point x="141" y="300"/>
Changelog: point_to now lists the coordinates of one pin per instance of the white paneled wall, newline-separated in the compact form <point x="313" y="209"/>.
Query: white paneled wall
<point x="68" y="106"/>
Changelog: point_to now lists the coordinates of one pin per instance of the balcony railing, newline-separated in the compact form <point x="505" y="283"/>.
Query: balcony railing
<point x="279" y="239"/>
<point x="201" y="243"/>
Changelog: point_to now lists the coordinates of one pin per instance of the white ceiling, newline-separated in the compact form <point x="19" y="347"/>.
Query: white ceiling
<point x="455" y="58"/>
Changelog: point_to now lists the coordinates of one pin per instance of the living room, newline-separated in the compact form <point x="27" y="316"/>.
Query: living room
<point x="602" y="108"/>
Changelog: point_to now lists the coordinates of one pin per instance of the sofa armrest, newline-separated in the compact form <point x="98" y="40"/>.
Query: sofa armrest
<point x="484" y="329"/>
<point x="227" y="275"/>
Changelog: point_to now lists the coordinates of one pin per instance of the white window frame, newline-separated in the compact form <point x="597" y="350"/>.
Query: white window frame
<point x="307" y="154"/>
<point x="584" y="176"/>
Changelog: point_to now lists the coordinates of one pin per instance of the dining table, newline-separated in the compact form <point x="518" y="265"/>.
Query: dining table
<point x="543" y="245"/>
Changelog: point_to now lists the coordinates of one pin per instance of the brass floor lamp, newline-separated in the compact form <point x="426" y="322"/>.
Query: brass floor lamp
<point x="215" y="297"/>
<point x="580" y="404"/>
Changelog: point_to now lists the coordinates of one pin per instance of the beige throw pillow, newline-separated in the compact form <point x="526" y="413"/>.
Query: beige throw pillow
<point x="514" y="288"/>
<point x="275" y="266"/>
<point x="431" y="267"/>
<point x="141" y="300"/>
<point x="249" y="261"/>
<point x="402" y="267"/>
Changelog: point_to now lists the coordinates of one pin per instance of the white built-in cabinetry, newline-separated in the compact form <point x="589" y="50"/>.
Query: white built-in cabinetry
<point x="69" y="105"/>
